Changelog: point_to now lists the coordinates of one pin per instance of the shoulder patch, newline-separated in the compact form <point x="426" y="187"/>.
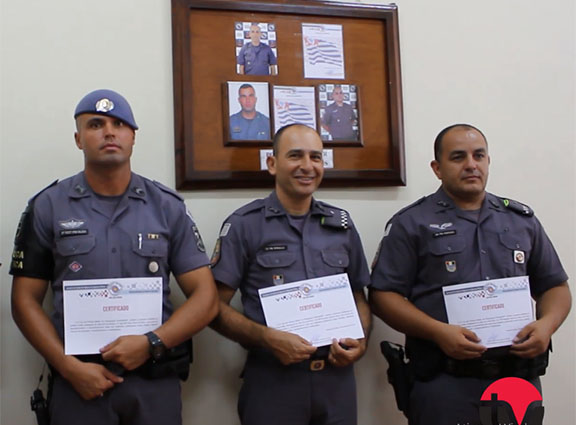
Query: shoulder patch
<point x="167" y="190"/>
<point x="255" y="205"/>
<point x="517" y="207"/>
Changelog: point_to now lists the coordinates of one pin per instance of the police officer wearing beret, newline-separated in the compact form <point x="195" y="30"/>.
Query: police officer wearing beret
<point x="108" y="222"/>
<point x="288" y="237"/>
<point x="463" y="234"/>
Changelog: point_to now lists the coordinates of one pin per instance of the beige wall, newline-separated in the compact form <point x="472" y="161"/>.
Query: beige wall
<point x="506" y="66"/>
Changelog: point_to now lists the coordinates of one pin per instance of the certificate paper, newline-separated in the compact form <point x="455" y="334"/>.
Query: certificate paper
<point x="323" y="51"/>
<point x="97" y="311"/>
<point x="496" y="310"/>
<point x="294" y="104"/>
<point x="318" y="310"/>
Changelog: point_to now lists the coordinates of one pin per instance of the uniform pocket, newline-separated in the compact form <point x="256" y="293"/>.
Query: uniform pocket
<point x="447" y="245"/>
<point x="339" y="259"/>
<point x="75" y="245"/>
<point x="155" y="248"/>
<point x="515" y="242"/>
<point x="270" y="260"/>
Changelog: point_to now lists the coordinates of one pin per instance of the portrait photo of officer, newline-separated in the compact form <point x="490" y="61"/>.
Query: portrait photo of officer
<point x="104" y="224"/>
<point x="249" y="111"/>
<point x="257" y="53"/>
<point x="340" y="114"/>
<point x="288" y="237"/>
<point x="464" y="234"/>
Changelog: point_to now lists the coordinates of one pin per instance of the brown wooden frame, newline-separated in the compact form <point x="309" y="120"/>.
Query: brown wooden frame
<point x="201" y="62"/>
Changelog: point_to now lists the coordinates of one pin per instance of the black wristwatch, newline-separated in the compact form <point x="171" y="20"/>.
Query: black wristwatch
<point x="157" y="347"/>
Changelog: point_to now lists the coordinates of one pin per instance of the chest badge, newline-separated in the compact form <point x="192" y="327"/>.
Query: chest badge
<point x="519" y="257"/>
<point x="442" y="226"/>
<point x="153" y="266"/>
<point x="450" y="266"/>
<point x="278" y="279"/>
<point x="75" y="266"/>
<point x="73" y="223"/>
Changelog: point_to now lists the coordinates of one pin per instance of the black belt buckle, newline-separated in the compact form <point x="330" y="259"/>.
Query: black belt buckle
<point x="316" y="365"/>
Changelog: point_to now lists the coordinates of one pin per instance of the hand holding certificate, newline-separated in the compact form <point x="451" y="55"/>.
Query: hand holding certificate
<point x="319" y="310"/>
<point x="496" y="310"/>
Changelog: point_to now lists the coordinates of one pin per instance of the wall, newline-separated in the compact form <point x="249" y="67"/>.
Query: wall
<point x="507" y="67"/>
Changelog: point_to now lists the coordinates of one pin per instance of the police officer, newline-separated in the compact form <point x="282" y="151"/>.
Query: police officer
<point x="463" y="234"/>
<point x="288" y="237"/>
<point x="107" y="222"/>
<point x="248" y="123"/>
<point x="339" y="117"/>
<point x="255" y="57"/>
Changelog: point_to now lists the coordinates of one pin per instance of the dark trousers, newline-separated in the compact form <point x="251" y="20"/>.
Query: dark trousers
<point x="136" y="401"/>
<point x="273" y="394"/>
<point x="449" y="400"/>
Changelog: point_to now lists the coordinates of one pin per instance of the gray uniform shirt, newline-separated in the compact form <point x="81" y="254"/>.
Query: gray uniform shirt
<point x="67" y="233"/>
<point x="432" y="243"/>
<point x="260" y="245"/>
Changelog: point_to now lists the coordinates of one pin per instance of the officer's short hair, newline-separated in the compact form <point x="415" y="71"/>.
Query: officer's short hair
<point x="245" y="86"/>
<point x="440" y="137"/>
<point x="278" y="136"/>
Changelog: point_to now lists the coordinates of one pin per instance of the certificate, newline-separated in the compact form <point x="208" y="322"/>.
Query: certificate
<point x="323" y="51"/>
<point x="294" y="104"/>
<point x="496" y="310"/>
<point x="97" y="311"/>
<point x="318" y="310"/>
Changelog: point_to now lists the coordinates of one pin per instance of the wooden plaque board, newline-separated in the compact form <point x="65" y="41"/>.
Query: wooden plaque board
<point x="204" y="58"/>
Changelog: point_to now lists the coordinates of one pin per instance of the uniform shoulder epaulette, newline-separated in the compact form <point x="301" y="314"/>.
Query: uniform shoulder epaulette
<point x="255" y="205"/>
<point x="339" y="218"/>
<point x="515" y="206"/>
<point x="166" y="189"/>
<point x="54" y="183"/>
<point x="412" y="205"/>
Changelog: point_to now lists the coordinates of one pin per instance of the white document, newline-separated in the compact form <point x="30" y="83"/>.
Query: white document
<point x="496" y="310"/>
<point x="323" y="51"/>
<point x="97" y="311"/>
<point x="318" y="310"/>
<point x="294" y="104"/>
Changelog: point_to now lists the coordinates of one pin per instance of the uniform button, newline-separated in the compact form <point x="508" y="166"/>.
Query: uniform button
<point x="449" y="248"/>
<point x="277" y="261"/>
<point x="113" y="250"/>
<point x="340" y="262"/>
<point x="483" y="251"/>
<point x="487" y="278"/>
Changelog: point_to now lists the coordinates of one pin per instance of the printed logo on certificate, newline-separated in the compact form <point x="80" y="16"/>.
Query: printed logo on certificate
<point x="318" y="310"/>
<point x="496" y="310"/>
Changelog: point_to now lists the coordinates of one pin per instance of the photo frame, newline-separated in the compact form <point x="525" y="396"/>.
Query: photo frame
<point x="205" y="64"/>
<point x="247" y="106"/>
<point x="339" y="116"/>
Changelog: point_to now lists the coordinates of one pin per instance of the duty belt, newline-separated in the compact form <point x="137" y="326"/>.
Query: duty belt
<point x="316" y="363"/>
<point x="492" y="368"/>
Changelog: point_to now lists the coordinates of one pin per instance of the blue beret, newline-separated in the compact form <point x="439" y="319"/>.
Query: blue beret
<point x="106" y="102"/>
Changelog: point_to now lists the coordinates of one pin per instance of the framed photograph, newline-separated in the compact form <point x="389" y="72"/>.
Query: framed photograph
<point x="248" y="111"/>
<point x="339" y="116"/>
<point x="256" y="49"/>
<point x="319" y="47"/>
